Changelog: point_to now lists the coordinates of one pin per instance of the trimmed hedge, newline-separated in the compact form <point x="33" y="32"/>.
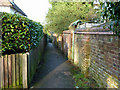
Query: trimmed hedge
<point x="19" y="34"/>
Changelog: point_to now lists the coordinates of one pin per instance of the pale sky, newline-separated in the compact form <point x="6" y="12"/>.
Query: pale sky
<point x="35" y="9"/>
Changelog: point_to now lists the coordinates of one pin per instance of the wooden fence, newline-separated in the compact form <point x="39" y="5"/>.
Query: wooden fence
<point x="17" y="70"/>
<point x="13" y="70"/>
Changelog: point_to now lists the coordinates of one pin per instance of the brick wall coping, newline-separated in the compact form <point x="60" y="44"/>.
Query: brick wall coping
<point x="91" y="33"/>
<point x="67" y="32"/>
<point x="94" y="33"/>
<point x="91" y="29"/>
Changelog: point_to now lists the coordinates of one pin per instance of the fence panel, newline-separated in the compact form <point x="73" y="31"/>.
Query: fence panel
<point x="11" y="70"/>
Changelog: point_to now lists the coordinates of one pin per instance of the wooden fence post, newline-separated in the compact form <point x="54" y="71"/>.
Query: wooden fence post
<point x="17" y="69"/>
<point x="10" y="70"/>
<point x="1" y="73"/>
<point x="6" y="71"/>
<point x="21" y="59"/>
<point x="29" y="67"/>
<point x="13" y="70"/>
<point x="24" y="65"/>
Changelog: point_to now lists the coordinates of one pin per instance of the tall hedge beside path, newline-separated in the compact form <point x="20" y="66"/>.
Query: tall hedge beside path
<point x="22" y="45"/>
<point x="19" y="34"/>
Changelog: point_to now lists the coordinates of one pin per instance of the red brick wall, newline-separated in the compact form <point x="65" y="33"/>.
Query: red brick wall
<point x="105" y="59"/>
<point x="82" y="52"/>
<point x="60" y="42"/>
<point x="67" y="45"/>
<point x="98" y="55"/>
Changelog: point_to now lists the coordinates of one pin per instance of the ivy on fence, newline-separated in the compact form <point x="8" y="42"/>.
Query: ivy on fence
<point x="19" y="34"/>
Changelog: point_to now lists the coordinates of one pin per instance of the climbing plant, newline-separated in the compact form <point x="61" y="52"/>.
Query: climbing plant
<point x="111" y="12"/>
<point x="19" y="34"/>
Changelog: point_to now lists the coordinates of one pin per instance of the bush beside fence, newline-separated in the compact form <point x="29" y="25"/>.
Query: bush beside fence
<point x="19" y="34"/>
<point x="19" y="69"/>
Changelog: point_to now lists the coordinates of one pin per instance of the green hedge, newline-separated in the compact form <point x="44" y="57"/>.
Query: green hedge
<point x="19" y="34"/>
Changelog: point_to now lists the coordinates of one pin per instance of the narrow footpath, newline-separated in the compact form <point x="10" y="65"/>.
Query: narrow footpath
<point x="54" y="72"/>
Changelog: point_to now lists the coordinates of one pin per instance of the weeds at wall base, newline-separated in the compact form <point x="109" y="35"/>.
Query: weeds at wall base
<point x="80" y="80"/>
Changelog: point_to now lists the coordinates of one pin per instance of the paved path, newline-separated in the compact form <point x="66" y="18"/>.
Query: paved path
<point x="54" y="71"/>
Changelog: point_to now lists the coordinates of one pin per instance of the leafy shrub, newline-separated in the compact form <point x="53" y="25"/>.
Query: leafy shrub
<point x="19" y="34"/>
<point x="111" y="12"/>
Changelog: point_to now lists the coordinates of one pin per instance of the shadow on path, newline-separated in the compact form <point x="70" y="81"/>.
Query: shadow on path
<point x="54" y="72"/>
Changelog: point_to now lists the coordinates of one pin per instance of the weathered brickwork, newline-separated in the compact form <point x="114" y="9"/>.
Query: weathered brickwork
<point x="64" y="43"/>
<point x="82" y="52"/>
<point x="104" y="60"/>
<point x="60" y="43"/>
<point x="67" y="45"/>
<point x="54" y="39"/>
<point x="97" y="54"/>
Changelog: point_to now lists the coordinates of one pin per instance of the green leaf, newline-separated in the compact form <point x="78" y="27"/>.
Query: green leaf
<point x="17" y="32"/>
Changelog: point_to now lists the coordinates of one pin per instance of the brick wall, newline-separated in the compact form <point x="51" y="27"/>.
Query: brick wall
<point x="97" y="54"/>
<point x="60" y="42"/>
<point x="67" y="45"/>
<point x="104" y="64"/>
<point x="82" y="52"/>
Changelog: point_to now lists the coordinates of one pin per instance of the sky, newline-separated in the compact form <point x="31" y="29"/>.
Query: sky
<point x="35" y="9"/>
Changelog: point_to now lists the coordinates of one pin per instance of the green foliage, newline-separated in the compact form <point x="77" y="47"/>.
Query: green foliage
<point x="81" y="81"/>
<point x="62" y="14"/>
<point x="19" y="34"/>
<point x="111" y="12"/>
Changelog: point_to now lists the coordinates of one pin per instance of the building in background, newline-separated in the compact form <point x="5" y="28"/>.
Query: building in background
<point x="10" y="7"/>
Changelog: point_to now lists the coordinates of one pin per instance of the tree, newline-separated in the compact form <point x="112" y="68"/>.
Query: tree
<point x="62" y="14"/>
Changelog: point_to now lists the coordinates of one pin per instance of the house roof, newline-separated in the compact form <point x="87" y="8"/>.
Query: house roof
<point x="18" y="9"/>
<point x="11" y="4"/>
<point x="5" y="3"/>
